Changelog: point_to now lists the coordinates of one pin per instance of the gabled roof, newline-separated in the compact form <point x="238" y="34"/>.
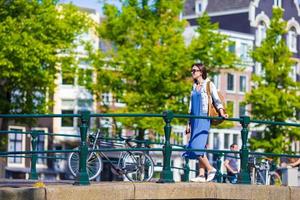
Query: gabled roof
<point x="217" y="6"/>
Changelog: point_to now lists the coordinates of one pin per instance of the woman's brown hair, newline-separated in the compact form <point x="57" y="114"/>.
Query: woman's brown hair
<point x="202" y="68"/>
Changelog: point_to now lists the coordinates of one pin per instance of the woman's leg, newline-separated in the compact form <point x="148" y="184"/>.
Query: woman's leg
<point x="201" y="168"/>
<point x="205" y="163"/>
<point x="211" y="171"/>
<point x="201" y="175"/>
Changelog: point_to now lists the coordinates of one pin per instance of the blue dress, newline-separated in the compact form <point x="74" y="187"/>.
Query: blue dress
<point x="199" y="127"/>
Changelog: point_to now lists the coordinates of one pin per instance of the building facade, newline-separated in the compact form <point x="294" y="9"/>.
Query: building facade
<point x="245" y="22"/>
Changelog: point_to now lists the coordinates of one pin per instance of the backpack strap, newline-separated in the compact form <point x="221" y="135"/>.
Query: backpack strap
<point x="208" y="96"/>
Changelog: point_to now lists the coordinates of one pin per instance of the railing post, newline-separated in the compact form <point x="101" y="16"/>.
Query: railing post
<point x="34" y="139"/>
<point x="166" y="176"/>
<point x="219" y="175"/>
<point x="244" y="176"/>
<point x="186" y="170"/>
<point x="82" y="177"/>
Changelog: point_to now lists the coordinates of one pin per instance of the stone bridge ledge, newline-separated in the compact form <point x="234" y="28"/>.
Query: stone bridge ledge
<point x="128" y="190"/>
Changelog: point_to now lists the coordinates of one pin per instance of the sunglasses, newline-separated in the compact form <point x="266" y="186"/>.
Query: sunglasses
<point x="193" y="71"/>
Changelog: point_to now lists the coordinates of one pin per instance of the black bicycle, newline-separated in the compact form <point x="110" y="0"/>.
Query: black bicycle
<point x="136" y="166"/>
<point x="263" y="172"/>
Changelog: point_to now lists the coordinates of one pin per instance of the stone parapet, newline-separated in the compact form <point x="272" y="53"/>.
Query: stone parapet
<point x="128" y="190"/>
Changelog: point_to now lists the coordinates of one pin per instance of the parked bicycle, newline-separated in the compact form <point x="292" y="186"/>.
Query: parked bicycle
<point x="263" y="172"/>
<point x="134" y="165"/>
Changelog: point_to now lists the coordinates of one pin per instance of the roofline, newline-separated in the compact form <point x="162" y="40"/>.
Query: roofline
<point x="214" y="14"/>
<point x="236" y="34"/>
<point x="232" y="34"/>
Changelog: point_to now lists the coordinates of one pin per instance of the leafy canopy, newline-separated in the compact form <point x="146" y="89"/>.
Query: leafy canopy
<point x="274" y="96"/>
<point x="34" y="37"/>
<point x="148" y="62"/>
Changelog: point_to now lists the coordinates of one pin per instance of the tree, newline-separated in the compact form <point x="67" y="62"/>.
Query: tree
<point x="148" y="64"/>
<point x="275" y="96"/>
<point x="210" y="47"/>
<point x="35" y="36"/>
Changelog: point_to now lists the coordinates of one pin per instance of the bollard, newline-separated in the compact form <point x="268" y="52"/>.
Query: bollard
<point x="82" y="177"/>
<point x="244" y="175"/>
<point x="186" y="169"/>
<point x="166" y="176"/>
<point x="219" y="175"/>
<point x="34" y="140"/>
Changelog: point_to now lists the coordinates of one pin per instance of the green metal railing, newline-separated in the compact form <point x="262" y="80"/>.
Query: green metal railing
<point x="166" y="175"/>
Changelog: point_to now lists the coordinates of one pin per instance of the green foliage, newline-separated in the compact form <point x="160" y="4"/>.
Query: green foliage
<point x="35" y="36"/>
<point x="211" y="47"/>
<point x="148" y="62"/>
<point x="32" y="35"/>
<point x="275" y="96"/>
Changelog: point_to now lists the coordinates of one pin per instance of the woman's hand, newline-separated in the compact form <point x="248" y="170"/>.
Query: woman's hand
<point x="223" y="114"/>
<point x="187" y="129"/>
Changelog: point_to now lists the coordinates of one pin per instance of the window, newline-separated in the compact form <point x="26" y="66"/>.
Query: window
<point x="258" y="69"/>
<point x="278" y="3"/>
<point x="67" y="121"/>
<point x="244" y="52"/>
<point x="242" y="109"/>
<point x="216" y="80"/>
<point x="68" y="76"/>
<point x="216" y="141"/>
<point x="230" y="108"/>
<point x="15" y="143"/>
<point x="85" y="77"/>
<point x="85" y="104"/>
<point x="292" y="39"/>
<point x="68" y="107"/>
<point x="261" y="33"/>
<point x="231" y="47"/>
<point x="242" y="83"/>
<point x="230" y="82"/>
<point x="106" y="98"/>
<point x="293" y="73"/>
<point x="226" y="141"/>
<point x="41" y="145"/>
<point x="235" y="138"/>
<point x="198" y="6"/>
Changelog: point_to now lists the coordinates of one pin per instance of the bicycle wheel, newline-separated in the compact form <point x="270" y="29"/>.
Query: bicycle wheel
<point x="137" y="166"/>
<point x="275" y="179"/>
<point x="93" y="164"/>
